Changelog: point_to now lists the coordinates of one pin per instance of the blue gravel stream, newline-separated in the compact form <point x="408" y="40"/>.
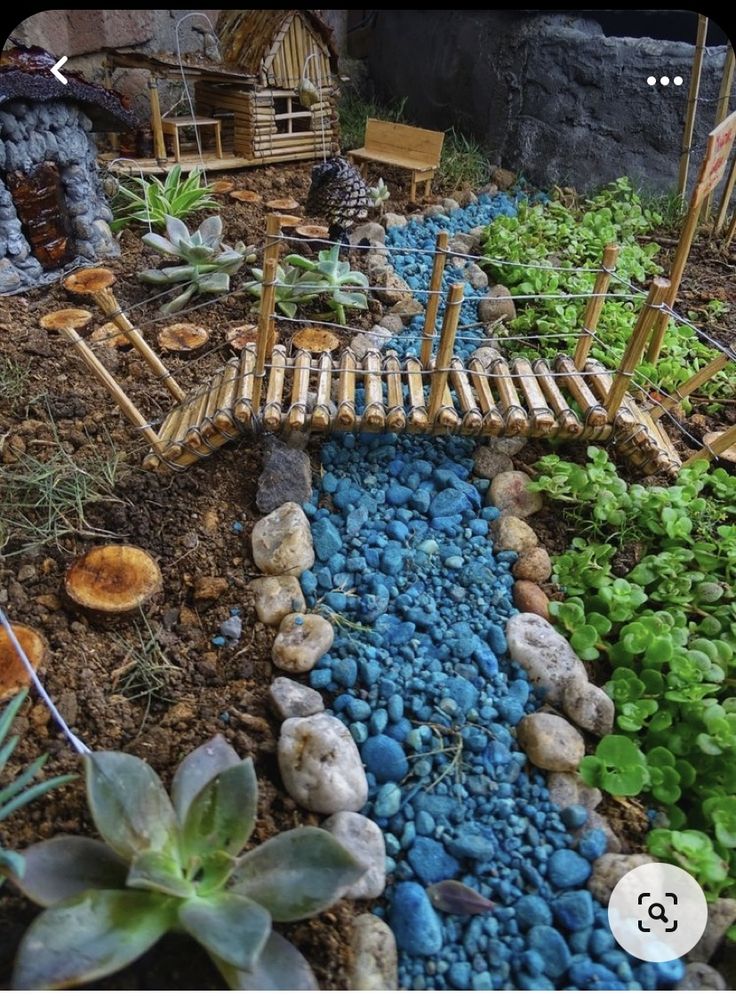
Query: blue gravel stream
<point x="421" y="675"/>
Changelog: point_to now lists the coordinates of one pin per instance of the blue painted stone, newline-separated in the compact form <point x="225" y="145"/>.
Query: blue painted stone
<point x="579" y="940"/>
<point x="421" y="500"/>
<point x="399" y="731"/>
<point x="336" y="600"/>
<point x="388" y="800"/>
<point x="430" y="861"/>
<point x="395" y="706"/>
<point x="392" y="559"/>
<point x="533" y="910"/>
<point x="358" y="709"/>
<point x="397" y="530"/>
<point x="587" y="974"/>
<point x="574" y="817"/>
<point x="567" y="869"/>
<point x="574" y="910"/>
<point x="496" y="638"/>
<point x="601" y="941"/>
<point x="461" y="690"/>
<point x="534" y="982"/>
<point x="414" y="922"/>
<point x="552" y="947"/>
<point x="397" y="495"/>
<point x="459" y="975"/>
<point x="510" y="709"/>
<point x="344" y="673"/>
<point x="320" y="677"/>
<point x="473" y="841"/>
<point x="356" y="519"/>
<point x="425" y="823"/>
<point x="385" y="758"/>
<point x="669" y="972"/>
<point x="593" y="844"/>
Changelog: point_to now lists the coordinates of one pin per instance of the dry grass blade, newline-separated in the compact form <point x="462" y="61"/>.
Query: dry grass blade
<point x="146" y="672"/>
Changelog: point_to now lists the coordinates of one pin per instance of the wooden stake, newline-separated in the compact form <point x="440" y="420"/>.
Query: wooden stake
<point x="692" y="103"/>
<point x="244" y="408"/>
<point x="595" y="304"/>
<point x="444" y="353"/>
<point x="433" y="301"/>
<point x="417" y="407"/>
<point x="658" y="292"/>
<point x="346" y="391"/>
<point x="567" y="421"/>
<point x="724" y="441"/>
<point x="731" y="231"/>
<point x="159" y="146"/>
<point x="297" y="415"/>
<point x="542" y="419"/>
<point x="268" y="295"/>
<point x="724" y="97"/>
<point x="726" y="198"/>
<point x="374" y="411"/>
<point x="272" y="412"/>
<point x="688" y="386"/>
<point x="322" y="412"/>
<point x="224" y="420"/>
<point x="493" y="423"/>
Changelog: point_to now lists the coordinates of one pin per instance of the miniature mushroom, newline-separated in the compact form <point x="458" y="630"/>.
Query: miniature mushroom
<point x="109" y="335"/>
<point x="315" y="340"/>
<point x="65" y="318"/>
<point x="289" y="220"/>
<point x="313" y="231"/>
<point x="182" y="337"/>
<point x="13" y="675"/>
<point x="89" y="282"/>
<point x="113" y="579"/>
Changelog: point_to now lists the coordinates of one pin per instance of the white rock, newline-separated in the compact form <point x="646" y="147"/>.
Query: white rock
<point x="391" y="288"/>
<point x="276" y="597"/>
<point x="364" y="839"/>
<point x="301" y="640"/>
<point x="588" y="707"/>
<point x="391" y="323"/>
<point x="392" y="220"/>
<point x="550" y="742"/>
<point x="289" y="699"/>
<point x="512" y="533"/>
<point x="376" y="338"/>
<point x="721" y="914"/>
<point x="370" y="230"/>
<point x="477" y="277"/>
<point x="509" y="492"/>
<point x="375" y="960"/>
<point x="609" y="868"/>
<point x="567" y="788"/>
<point x="320" y="765"/>
<point x="545" y="654"/>
<point x="282" y="541"/>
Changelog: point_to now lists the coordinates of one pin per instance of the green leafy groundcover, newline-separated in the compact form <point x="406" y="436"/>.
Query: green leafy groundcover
<point x="667" y="628"/>
<point x="550" y="235"/>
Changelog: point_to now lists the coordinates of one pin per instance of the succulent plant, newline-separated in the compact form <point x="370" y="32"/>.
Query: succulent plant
<point x="209" y="262"/>
<point x="292" y="288"/>
<point x="19" y="792"/>
<point x="379" y="194"/>
<point x="150" y="200"/>
<point x="174" y="864"/>
<point x="333" y="277"/>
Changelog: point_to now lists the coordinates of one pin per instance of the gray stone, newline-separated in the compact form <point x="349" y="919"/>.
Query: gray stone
<point x="450" y="205"/>
<point x="392" y="323"/>
<point x="9" y="277"/>
<point x="462" y="244"/>
<point x="545" y="655"/>
<point x="364" y="839"/>
<point x="598" y="822"/>
<point x="320" y="765"/>
<point x="510" y="446"/>
<point x="434" y="211"/>
<point x="699" y="976"/>
<point x="302" y="639"/>
<point x="370" y="230"/>
<point x="390" y="287"/>
<point x="533" y="565"/>
<point x="291" y="699"/>
<point x="282" y="542"/>
<point x="721" y="915"/>
<point x="497" y="305"/>
<point x="476" y="277"/>
<point x="392" y="220"/>
<point x="512" y="533"/>
<point x="376" y="339"/>
<point x="567" y="788"/>
<point x="588" y="707"/>
<point x="510" y="493"/>
<point x="550" y="742"/>
<point x="407" y="308"/>
<point x="286" y="477"/>
<point x="608" y="869"/>
<point x="487" y="463"/>
<point x="375" y="958"/>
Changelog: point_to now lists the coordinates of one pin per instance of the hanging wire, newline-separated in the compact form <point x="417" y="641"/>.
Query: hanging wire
<point x="194" y="13"/>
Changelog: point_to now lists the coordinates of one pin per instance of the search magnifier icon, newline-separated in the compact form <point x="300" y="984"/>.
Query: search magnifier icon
<point x="659" y="914"/>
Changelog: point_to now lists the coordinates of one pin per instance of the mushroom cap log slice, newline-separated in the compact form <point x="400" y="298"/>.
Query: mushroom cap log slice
<point x="241" y="336"/>
<point x="113" y="579"/>
<point x="89" y="282"/>
<point x="282" y="204"/>
<point x="313" y="231"/>
<point x="315" y="340"/>
<point x="223" y="186"/>
<point x="13" y="675"/>
<point x="66" y="318"/>
<point x="246" y="196"/>
<point x="182" y="337"/>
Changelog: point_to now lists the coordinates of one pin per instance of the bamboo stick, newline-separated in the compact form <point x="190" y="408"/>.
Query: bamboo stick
<point x="676" y="271"/>
<point x="724" y="441"/>
<point x="601" y="383"/>
<point x="726" y="197"/>
<point x="447" y="419"/>
<point x="731" y="231"/>
<point x="218" y="386"/>
<point x="543" y="420"/>
<point x="595" y="304"/>
<point x="346" y="415"/>
<point x="661" y="444"/>
<point x="244" y="410"/>
<point x="264" y="344"/>
<point x="395" y="416"/>
<point x="433" y="300"/>
<point x="568" y="423"/>
<point x="374" y="412"/>
<point x="658" y="292"/>
<point x="438" y="379"/>
<point x="514" y="414"/>
<point x="322" y="413"/>
<point x="417" y="409"/>
<point x="170" y="424"/>
<point x="131" y="412"/>
<point x="224" y="418"/>
<point x="106" y="301"/>
<point x="594" y="415"/>
<point x="194" y="434"/>
<point x="272" y="412"/>
<point x="159" y="146"/>
<point x="687" y="387"/>
<point x="297" y="414"/>
<point x="692" y="103"/>
<point x="724" y="97"/>
<point x="472" y="417"/>
<point x="493" y="423"/>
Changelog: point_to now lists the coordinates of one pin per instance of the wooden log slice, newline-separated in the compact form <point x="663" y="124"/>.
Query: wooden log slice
<point x="223" y="186"/>
<point x="90" y="281"/>
<point x="113" y="579"/>
<point x="315" y="340"/>
<point x="282" y="204"/>
<point x="241" y="336"/>
<point x="13" y="675"/>
<point x="182" y="337"/>
<point x="246" y="196"/>
<point x="313" y="231"/>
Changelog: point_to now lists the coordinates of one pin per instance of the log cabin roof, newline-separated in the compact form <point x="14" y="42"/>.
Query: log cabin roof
<point x="246" y="36"/>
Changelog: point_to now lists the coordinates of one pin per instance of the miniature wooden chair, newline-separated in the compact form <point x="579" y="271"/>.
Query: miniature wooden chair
<point x="171" y="126"/>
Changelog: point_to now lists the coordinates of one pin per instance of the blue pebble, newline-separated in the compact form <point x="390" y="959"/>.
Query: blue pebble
<point x="600" y="942"/>
<point x="320" y="677"/>
<point x="326" y="539"/>
<point x="510" y="709"/>
<point x="358" y="709"/>
<point x="473" y="841"/>
<point x="496" y="638"/>
<point x="461" y="690"/>
<point x="593" y="844"/>
<point x="399" y="731"/>
<point x="574" y="817"/>
<point x="388" y="800"/>
<point x="574" y="910"/>
<point x="397" y="530"/>
<point x="567" y="869"/>
<point x="532" y="911"/>
<point x="344" y="673"/>
<point x="552" y="947"/>
<point x="459" y="975"/>
<point x="669" y="972"/>
<point x="424" y="823"/>
<point x="587" y="974"/>
<point x="414" y="922"/>
<point x="395" y="706"/>
<point x="431" y="862"/>
<point x="397" y="495"/>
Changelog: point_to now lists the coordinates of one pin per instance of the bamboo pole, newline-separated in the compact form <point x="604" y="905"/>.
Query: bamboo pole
<point x="219" y="382"/>
<point x="122" y="400"/>
<point x="515" y="417"/>
<point x="687" y="387"/>
<point x="433" y="302"/>
<point x="264" y="344"/>
<point x="493" y="423"/>
<point x="726" y="198"/>
<point x="724" y="441"/>
<point x="346" y="391"/>
<point x="243" y="409"/>
<point x="594" y="415"/>
<point x="224" y="419"/>
<point x="194" y="435"/>
<point x="472" y="422"/>
<point x="297" y="414"/>
<point x="417" y="406"/>
<point x="396" y="416"/>
<point x="322" y="413"/>
<point x="595" y="304"/>
<point x="159" y="146"/>
<point x="374" y="412"/>
<point x="438" y="380"/>
<point x="272" y="411"/>
<point x="658" y="292"/>
<point x="731" y="231"/>
<point x="567" y="421"/>
<point x="692" y="103"/>
<point x="543" y="420"/>
<point x="724" y="97"/>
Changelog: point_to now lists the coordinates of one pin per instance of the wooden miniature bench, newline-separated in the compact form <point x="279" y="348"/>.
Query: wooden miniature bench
<point x="415" y="149"/>
<point x="171" y="126"/>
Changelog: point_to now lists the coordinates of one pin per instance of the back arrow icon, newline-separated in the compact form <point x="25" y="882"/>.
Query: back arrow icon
<point x="55" y="69"/>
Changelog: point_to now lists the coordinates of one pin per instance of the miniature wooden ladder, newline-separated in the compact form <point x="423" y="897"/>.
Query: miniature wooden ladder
<point x="265" y="389"/>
